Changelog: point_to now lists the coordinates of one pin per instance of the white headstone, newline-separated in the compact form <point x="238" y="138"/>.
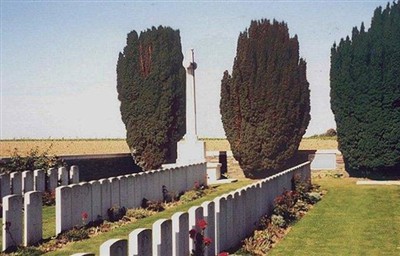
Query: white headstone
<point x="5" y="184"/>
<point x="39" y="180"/>
<point x="137" y="189"/>
<point x="33" y="217"/>
<point x="130" y="179"/>
<point x="96" y="200"/>
<point x="221" y="223"/>
<point x="12" y="221"/>
<point x="105" y="197"/>
<point x="16" y="183"/>
<point x="63" y="176"/>
<point x="123" y="191"/>
<point x="63" y="208"/>
<point x="27" y="181"/>
<point x="115" y="192"/>
<point x="52" y="175"/>
<point x="162" y="237"/>
<point x="209" y="216"/>
<point x="195" y="215"/>
<point x="114" y="247"/>
<point x="140" y="242"/>
<point x="86" y="201"/>
<point x="74" y="174"/>
<point x="180" y="237"/>
<point x="76" y="205"/>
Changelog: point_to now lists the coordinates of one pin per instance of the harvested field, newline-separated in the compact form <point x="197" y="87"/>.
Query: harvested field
<point x="113" y="146"/>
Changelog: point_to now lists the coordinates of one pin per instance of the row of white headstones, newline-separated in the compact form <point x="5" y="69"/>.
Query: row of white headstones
<point x="19" y="183"/>
<point x="22" y="214"/>
<point x="230" y="218"/>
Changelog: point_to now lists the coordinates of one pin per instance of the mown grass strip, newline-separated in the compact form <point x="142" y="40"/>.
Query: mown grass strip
<point x="350" y="220"/>
<point x="93" y="244"/>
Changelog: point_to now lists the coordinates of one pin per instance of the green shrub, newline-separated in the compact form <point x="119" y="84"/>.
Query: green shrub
<point x="139" y="213"/>
<point x="33" y="161"/>
<point x="313" y="197"/>
<point x="258" y="244"/>
<point x="365" y="95"/>
<point x="284" y="206"/>
<point x="75" y="234"/>
<point x="265" y="102"/>
<point x="278" y="220"/>
<point x="116" y="213"/>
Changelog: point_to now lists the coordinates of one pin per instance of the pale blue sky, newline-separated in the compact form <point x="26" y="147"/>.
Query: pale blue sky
<point x="58" y="58"/>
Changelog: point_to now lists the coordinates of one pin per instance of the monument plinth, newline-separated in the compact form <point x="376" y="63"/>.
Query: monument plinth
<point x="190" y="148"/>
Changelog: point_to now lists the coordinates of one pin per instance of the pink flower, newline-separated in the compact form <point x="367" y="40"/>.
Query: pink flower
<point x="207" y="241"/>
<point x="202" y="224"/>
<point x="192" y="233"/>
<point x="223" y="254"/>
<point x="85" y="215"/>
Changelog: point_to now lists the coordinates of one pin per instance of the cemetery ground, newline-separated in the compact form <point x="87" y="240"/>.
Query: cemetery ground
<point x="350" y="220"/>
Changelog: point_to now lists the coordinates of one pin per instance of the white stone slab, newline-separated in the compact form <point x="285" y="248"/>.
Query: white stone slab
<point x="209" y="216"/>
<point x="140" y="242"/>
<point x="86" y="201"/>
<point x="195" y="214"/>
<point x="162" y="237"/>
<point x="5" y="184"/>
<point x="123" y="191"/>
<point x="27" y="181"/>
<point x="39" y="180"/>
<point x="52" y="176"/>
<point x="324" y="160"/>
<point x="105" y="197"/>
<point x="76" y="205"/>
<point x="63" y="176"/>
<point x="74" y="174"/>
<point x="378" y="182"/>
<point x="96" y="200"/>
<point x="63" y="208"/>
<point x="180" y="237"/>
<point x="16" y="183"/>
<point x="115" y="192"/>
<point x="12" y="230"/>
<point x="130" y="179"/>
<point x="33" y="217"/>
<point x="114" y="247"/>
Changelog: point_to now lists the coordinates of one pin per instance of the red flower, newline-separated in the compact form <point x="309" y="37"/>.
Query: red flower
<point x="207" y="241"/>
<point x="192" y="233"/>
<point x="223" y="254"/>
<point x="85" y="215"/>
<point x="202" y="224"/>
<point x="196" y="185"/>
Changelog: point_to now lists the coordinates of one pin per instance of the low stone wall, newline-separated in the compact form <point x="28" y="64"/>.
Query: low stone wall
<point x="230" y="219"/>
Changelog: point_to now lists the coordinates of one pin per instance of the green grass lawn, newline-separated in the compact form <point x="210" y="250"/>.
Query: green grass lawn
<point x="350" y="220"/>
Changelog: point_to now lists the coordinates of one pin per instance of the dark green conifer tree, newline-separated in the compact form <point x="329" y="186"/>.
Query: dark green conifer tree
<point x="365" y="94"/>
<point x="265" y="103"/>
<point x="151" y="84"/>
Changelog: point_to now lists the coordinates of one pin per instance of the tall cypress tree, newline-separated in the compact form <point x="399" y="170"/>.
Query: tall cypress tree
<point x="365" y="93"/>
<point x="151" y="84"/>
<point x="265" y="103"/>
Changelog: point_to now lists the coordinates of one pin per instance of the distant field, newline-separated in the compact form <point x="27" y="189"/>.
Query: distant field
<point x="112" y="146"/>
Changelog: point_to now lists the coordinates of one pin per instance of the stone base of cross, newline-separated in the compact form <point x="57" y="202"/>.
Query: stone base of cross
<point x="191" y="151"/>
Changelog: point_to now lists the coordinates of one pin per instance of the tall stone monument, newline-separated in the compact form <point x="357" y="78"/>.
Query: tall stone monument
<point x="190" y="148"/>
